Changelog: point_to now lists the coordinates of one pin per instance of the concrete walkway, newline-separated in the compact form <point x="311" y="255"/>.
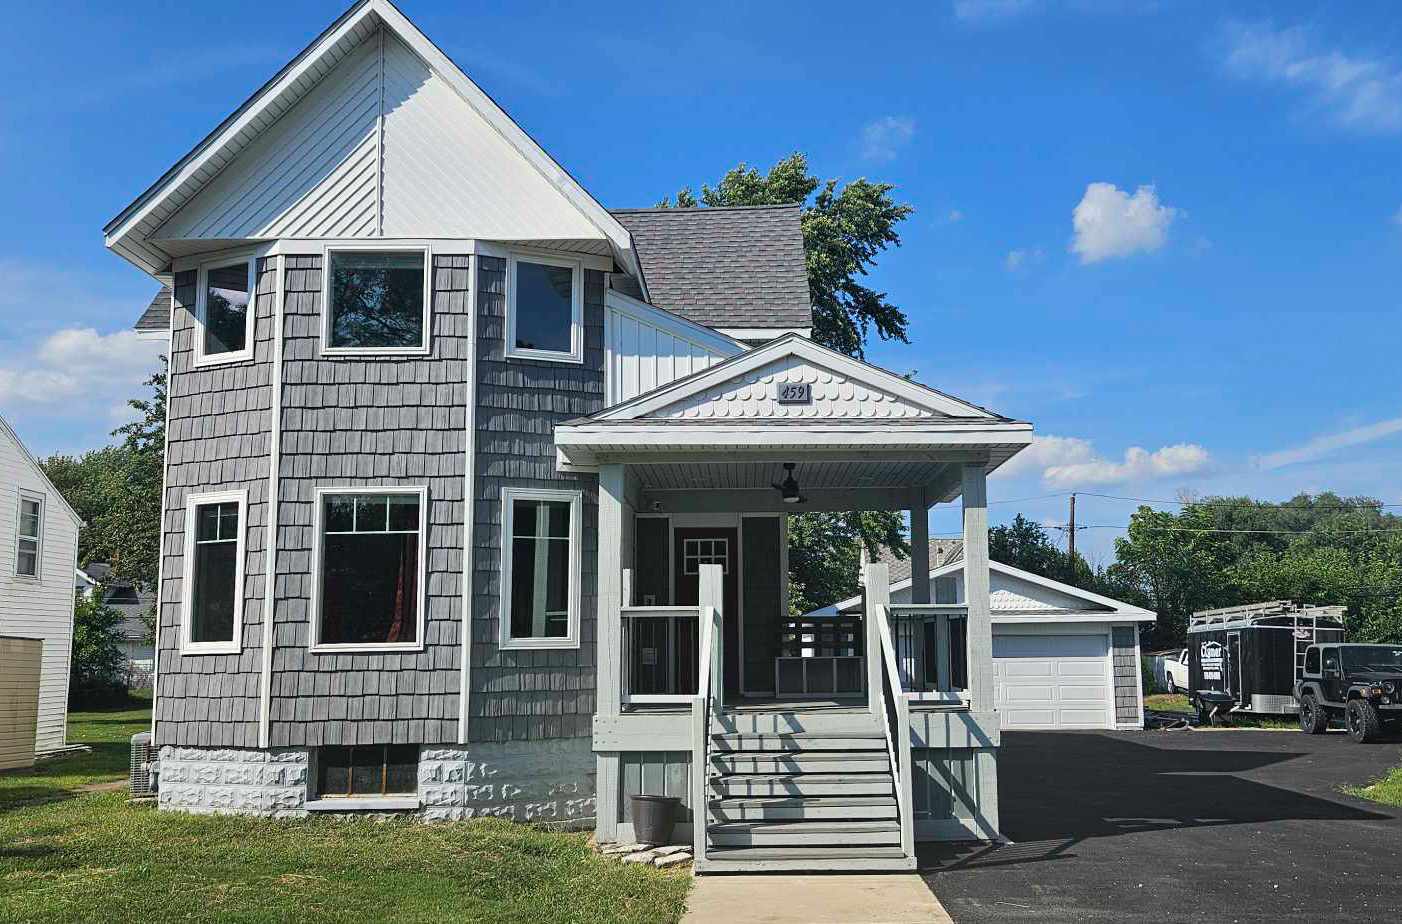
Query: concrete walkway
<point x="828" y="899"/>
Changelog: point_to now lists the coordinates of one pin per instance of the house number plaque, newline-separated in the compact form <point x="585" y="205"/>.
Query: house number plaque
<point x="792" y="393"/>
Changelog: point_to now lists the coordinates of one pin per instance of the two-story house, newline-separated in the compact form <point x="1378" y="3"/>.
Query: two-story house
<point x="476" y="492"/>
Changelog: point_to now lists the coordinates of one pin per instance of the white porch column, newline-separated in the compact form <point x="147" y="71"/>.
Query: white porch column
<point x="877" y="583"/>
<point x="980" y="622"/>
<point x="608" y="629"/>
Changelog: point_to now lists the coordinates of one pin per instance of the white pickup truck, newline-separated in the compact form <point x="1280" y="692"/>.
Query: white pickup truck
<point x="1175" y="671"/>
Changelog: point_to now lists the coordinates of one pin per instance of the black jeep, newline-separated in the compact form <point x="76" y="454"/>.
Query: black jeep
<point x="1362" y="684"/>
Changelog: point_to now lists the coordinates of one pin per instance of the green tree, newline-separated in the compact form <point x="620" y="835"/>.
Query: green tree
<point x="91" y="483"/>
<point x="97" y="661"/>
<point x="845" y="228"/>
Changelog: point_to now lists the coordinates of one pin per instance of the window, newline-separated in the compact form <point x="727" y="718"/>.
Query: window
<point x="540" y="568"/>
<point x="1312" y="661"/>
<point x="1331" y="659"/>
<point x="698" y="552"/>
<point x="213" y="600"/>
<point x="371" y="568"/>
<point x="545" y="305"/>
<point x="122" y="594"/>
<point x="377" y="301"/>
<point x="30" y="535"/>
<point x="223" y="309"/>
<point x="368" y="770"/>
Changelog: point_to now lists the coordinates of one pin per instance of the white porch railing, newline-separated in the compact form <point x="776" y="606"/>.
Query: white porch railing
<point x="931" y="646"/>
<point x="894" y="702"/>
<point x="658" y="656"/>
<point x="708" y="699"/>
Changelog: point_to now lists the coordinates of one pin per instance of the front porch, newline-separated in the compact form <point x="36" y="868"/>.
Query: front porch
<point x="792" y="744"/>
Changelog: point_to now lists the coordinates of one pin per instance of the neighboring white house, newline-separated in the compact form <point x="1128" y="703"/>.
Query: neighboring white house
<point x="1063" y="657"/>
<point x="135" y="606"/>
<point x="39" y="545"/>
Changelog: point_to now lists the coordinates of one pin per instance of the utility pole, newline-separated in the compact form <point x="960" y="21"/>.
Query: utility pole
<point x="1071" y="537"/>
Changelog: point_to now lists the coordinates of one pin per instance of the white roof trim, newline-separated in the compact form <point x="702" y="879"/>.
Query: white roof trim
<point x="708" y="337"/>
<point x="793" y="345"/>
<point x="390" y="17"/>
<point x="34" y="463"/>
<point x="1119" y="610"/>
<point x="764" y="333"/>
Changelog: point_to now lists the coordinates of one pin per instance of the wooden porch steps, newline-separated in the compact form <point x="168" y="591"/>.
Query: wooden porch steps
<point x="785" y="793"/>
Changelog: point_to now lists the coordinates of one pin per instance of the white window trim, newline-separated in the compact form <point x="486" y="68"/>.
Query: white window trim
<point x="318" y="548"/>
<point x="576" y="501"/>
<point x="25" y="495"/>
<point x="378" y="247"/>
<point x="187" y="591"/>
<point x="201" y="358"/>
<point x="576" y="351"/>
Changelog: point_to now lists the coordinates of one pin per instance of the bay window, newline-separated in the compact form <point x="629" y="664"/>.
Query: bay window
<point x="224" y="308"/>
<point x="540" y="568"/>
<point x="370" y="568"/>
<point x="545" y="298"/>
<point x="376" y="301"/>
<point x="213" y="592"/>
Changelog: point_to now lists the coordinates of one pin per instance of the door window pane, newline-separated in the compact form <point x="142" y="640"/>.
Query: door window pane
<point x="544" y="300"/>
<point x="214" y="596"/>
<point x="227" y="298"/>
<point x="377" y="299"/>
<point x="370" y="569"/>
<point x="540" y="568"/>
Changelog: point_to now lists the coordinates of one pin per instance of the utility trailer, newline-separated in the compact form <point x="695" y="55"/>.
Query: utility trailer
<point x="1248" y="658"/>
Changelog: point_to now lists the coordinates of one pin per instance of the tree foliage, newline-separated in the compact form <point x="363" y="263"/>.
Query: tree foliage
<point x="97" y="663"/>
<point x="825" y="554"/>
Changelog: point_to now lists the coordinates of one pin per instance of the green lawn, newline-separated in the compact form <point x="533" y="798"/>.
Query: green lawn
<point x="1178" y="702"/>
<point x="68" y="855"/>
<point x="1387" y="790"/>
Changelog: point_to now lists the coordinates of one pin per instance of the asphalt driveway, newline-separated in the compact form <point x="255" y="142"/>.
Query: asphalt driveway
<point x="1180" y="826"/>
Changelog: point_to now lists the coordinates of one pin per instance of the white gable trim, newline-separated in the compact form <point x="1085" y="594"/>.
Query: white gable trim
<point x="1119" y="611"/>
<point x="794" y="345"/>
<point x="38" y="470"/>
<point x="211" y="154"/>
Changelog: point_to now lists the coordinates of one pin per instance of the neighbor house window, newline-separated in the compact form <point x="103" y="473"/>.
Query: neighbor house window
<point x="371" y="568"/>
<point x="540" y="568"/>
<point x="545" y="297"/>
<point x="213" y="601"/>
<point x="224" y="308"/>
<point x="368" y="770"/>
<point x="30" y="535"/>
<point x="377" y="301"/>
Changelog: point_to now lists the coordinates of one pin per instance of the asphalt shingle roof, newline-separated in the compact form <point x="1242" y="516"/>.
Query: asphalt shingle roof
<point x="724" y="267"/>
<point x="942" y="552"/>
<point x="157" y="314"/>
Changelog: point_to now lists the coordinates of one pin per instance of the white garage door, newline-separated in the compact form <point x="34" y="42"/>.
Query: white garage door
<point x="1052" y="681"/>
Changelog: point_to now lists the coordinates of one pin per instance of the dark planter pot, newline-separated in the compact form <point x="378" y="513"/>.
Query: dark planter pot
<point x="654" y="817"/>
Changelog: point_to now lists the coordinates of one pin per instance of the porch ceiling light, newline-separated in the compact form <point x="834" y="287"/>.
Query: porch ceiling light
<point x="789" y="489"/>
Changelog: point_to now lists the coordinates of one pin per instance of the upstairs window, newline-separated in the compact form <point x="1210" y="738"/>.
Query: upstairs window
<point x="377" y="301"/>
<point x="223" y="308"/>
<point x="30" y="535"/>
<point x="545" y="305"/>
<point x="540" y="568"/>
<point x="371" y="568"/>
<point x="213" y="602"/>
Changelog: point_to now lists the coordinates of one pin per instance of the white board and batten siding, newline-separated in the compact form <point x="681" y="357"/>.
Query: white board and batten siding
<point x="646" y="347"/>
<point x="38" y="607"/>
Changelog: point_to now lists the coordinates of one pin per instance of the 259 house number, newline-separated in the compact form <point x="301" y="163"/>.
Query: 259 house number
<point x="790" y="393"/>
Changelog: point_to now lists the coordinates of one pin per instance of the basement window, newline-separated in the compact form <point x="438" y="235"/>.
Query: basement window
<point x="223" y="308"/>
<point x="367" y="770"/>
<point x="371" y="568"/>
<point x="545" y="297"/>
<point x="377" y="301"/>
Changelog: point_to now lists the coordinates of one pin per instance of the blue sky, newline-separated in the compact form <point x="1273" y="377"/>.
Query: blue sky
<point x="1169" y="234"/>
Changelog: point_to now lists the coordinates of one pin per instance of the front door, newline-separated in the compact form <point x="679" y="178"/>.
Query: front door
<point x="693" y="548"/>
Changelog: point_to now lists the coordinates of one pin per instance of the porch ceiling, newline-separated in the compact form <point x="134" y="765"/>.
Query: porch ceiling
<point x="708" y="476"/>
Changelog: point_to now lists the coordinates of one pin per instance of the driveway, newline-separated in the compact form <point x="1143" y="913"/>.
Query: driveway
<point x="1180" y="826"/>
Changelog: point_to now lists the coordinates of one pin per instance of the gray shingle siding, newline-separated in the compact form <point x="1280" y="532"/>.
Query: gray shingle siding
<point x="156" y="317"/>
<point x="218" y="426"/>
<point x="1127" y="705"/>
<point x="529" y="694"/>
<point x="371" y="421"/>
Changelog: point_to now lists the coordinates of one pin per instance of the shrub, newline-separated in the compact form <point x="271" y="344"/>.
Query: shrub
<point x="98" y="675"/>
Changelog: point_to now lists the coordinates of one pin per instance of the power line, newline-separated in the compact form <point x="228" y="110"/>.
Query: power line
<point x="1024" y="500"/>
<point x="1237" y="506"/>
<point x="1205" y="529"/>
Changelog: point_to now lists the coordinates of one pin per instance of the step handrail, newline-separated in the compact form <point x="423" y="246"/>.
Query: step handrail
<point x="701" y="707"/>
<point x="897" y="738"/>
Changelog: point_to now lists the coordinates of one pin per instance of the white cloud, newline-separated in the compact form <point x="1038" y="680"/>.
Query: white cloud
<point x="955" y="216"/>
<point x="1322" y="446"/>
<point x="80" y="370"/>
<point x="981" y="12"/>
<point x="1357" y="91"/>
<point x="1017" y="259"/>
<point x="1109" y="222"/>
<point x="884" y="138"/>
<point x="1070" y="462"/>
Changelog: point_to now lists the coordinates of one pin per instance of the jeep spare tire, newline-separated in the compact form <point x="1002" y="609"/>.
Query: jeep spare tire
<point x="1364" y="723"/>
<point x="1313" y="719"/>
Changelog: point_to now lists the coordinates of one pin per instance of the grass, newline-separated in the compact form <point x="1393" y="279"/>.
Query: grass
<point x="1387" y="790"/>
<point x="69" y="855"/>
<point x="1178" y="702"/>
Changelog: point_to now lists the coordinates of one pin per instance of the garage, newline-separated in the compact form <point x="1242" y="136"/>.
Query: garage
<point x="1053" y="681"/>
